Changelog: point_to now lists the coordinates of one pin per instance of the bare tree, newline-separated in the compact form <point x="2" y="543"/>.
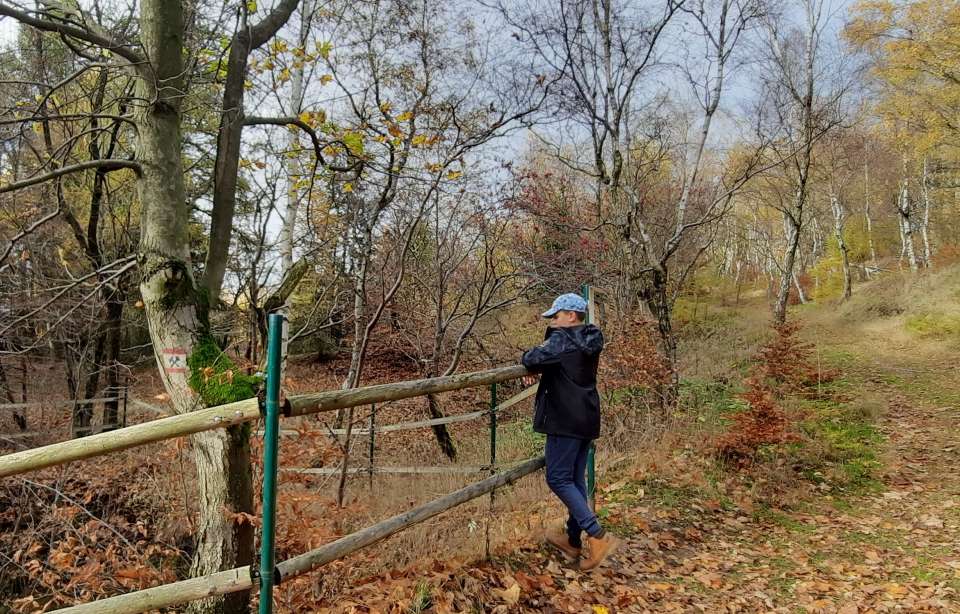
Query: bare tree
<point x="607" y="54"/>
<point x="840" y="169"/>
<point x="461" y="276"/>
<point x="802" y="96"/>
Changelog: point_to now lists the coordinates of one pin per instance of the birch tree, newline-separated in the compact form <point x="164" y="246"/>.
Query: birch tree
<point x="802" y="96"/>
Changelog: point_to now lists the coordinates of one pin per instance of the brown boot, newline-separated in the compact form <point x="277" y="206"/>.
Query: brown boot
<point x="561" y="542"/>
<point x="600" y="549"/>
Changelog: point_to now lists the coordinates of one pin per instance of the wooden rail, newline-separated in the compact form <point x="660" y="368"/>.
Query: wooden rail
<point x="303" y="404"/>
<point x="436" y="470"/>
<point x="241" y="578"/>
<point x="419" y="424"/>
<point x="223" y="416"/>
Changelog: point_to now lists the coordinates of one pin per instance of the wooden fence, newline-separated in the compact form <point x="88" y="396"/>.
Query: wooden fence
<point x="244" y="578"/>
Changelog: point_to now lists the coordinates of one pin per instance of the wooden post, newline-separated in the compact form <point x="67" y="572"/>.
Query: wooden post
<point x="303" y="404"/>
<point x="373" y="440"/>
<point x="126" y="396"/>
<point x="493" y="464"/>
<point x="136" y="435"/>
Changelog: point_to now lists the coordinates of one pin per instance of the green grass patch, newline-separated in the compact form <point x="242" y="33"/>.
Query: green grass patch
<point x="767" y="514"/>
<point x="710" y="401"/>
<point x="422" y="598"/>
<point x="934" y="325"/>
<point x="838" y="357"/>
<point x="841" y="444"/>
<point x="517" y="440"/>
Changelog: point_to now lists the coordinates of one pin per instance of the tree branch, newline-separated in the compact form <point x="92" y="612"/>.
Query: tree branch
<point x="254" y="120"/>
<point x="24" y="233"/>
<point x="109" y="165"/>
<point x="73" y="31"/>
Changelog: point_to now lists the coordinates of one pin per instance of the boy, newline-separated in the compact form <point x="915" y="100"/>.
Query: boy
<point x="568" y="413"/>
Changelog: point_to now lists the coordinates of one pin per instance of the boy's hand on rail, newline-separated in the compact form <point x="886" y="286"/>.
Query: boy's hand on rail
<point x="530" y="380"/>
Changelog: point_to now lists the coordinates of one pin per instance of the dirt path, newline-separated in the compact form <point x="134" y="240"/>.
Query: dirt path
<point x="895" y="548"/>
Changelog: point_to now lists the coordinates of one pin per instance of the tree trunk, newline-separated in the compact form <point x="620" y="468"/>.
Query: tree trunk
<point x="906" y="225"/>
<point x="227" y="164"/>
<point x="817" y="250"/>
<point x="657" y="298"/>
<point x="287" y="232"/>
<point x="19" y="417"/>
<point x="113" y="327"/>
<point x="440" y="431"/>
<point x="925" y="223"/>
<point x="83" y="412"/>
<point x="176" y="310"/>
<point x="801" y="296"/>
<point x="786" y="272"/>
<point x="868" y="217"/>
<point x="839" y="217"/>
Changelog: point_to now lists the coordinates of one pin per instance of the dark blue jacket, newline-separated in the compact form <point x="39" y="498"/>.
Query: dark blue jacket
<point x="567" y="402"/>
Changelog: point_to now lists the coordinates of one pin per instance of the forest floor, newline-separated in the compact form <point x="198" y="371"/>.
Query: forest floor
<point x="859" y="513"/>
<point x="867" y="518"/>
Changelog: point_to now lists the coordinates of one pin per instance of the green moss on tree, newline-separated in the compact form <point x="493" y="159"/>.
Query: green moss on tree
<point x="216" y="378"/>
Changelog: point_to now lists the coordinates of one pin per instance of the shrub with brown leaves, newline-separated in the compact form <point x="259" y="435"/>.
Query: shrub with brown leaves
<point x="631" y="358"/>
<point x="782" y="366"/>
<point x="762" y="423"/>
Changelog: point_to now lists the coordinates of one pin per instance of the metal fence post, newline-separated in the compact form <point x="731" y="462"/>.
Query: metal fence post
<point x="271" y="443"/>
<point x="592" y="452"/>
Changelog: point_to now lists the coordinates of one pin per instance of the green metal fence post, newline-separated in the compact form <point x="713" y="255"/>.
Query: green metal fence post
<point x="592" y="452"/>
<point x="271" y="443"/>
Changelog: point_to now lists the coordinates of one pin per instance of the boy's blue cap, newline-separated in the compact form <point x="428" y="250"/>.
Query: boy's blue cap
<point x="566" y="302"/>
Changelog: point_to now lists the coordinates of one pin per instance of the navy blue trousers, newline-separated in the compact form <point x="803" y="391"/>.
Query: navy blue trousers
<point x="566" y="459"/>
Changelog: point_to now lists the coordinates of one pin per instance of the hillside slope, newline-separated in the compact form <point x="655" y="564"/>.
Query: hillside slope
<point x="863" y="515"/>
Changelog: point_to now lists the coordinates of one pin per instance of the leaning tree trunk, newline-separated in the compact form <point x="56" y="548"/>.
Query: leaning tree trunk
<point x="440" y="431"/>
<point x="176" y="310"/>
<point x="656" y="295"/>
<point x="786" y="272"/>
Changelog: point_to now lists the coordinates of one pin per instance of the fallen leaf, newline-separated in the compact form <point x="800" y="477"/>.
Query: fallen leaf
<point x="660" y="586"/>
<point x="510" y="595"/>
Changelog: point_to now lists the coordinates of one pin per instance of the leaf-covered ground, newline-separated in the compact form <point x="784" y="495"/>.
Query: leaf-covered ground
<point x="876" y="530"/>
